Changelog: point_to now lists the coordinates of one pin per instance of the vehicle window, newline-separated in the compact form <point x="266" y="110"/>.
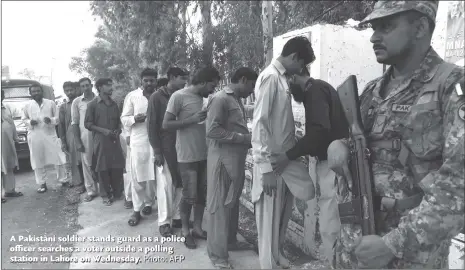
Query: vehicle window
<point x="16" y="92"/>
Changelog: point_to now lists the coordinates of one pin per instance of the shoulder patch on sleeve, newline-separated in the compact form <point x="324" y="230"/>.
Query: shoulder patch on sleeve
<point x="459" y="89"/>
<point x="461" y="112"/>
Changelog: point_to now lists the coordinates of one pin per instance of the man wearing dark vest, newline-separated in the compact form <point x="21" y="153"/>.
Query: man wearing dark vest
<point x="415" y="135"/>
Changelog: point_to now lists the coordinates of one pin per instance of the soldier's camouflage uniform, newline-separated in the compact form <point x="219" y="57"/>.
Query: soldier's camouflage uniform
<point x="416" y="138"/>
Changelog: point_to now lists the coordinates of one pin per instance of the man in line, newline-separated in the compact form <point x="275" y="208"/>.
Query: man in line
<point x="9" y="156"/>
<point x="162" y="82"/>
<point x="103" y="119"/>
<point x="142" y="170"/>
<point x="41" y="117"/>
<point x="273" y="133"/>
<point x="415" y="135"/>
<point x="228" y="143"/>
<point x="83" y="137"/>
<point x="163" y="142"/>
<point x="185" y="114"/>
<point x="67" y="137"/>
<point x="324" y="122"/>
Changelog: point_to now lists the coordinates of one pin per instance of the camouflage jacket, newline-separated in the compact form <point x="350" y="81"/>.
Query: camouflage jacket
<point x="423" y="114"/>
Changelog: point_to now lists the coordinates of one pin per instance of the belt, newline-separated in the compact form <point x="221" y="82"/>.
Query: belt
<point x="350" y="212"/>
<point x="389" y="204"/>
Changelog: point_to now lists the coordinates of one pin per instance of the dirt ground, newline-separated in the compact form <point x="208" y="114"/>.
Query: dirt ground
<point x="56" y="213"/>
<point x="51" y="213"/>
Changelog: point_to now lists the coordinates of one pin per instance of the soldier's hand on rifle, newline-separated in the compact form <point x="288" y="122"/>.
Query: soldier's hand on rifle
<point x="338" y="160"/>
<point x="279" y="163"/>
<point x="372" y="252"/>
<point x="269" y="183"/>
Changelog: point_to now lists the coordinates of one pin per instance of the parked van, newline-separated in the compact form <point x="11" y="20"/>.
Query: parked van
<point x="16" y="95"/>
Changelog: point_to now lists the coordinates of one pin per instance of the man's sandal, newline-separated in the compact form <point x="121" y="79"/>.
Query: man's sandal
<point x="147" y="210"/>
<point x="42" y="189"/>
<point x="134" y="219"/>
<point x="13" y="194"/>
<point x="198" y="236"/>
<point x="239" y="245"/>
<point x="222" y="265"/>
<point x="107" y="202"/>
<point x="89" y="198"/>
<point x="128" y="204"/>
<point x="165" y="230"/>
<point x="189" y="242"/>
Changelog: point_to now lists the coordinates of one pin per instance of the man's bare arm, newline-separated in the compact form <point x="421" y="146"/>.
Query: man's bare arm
<point x="170" y="122"/>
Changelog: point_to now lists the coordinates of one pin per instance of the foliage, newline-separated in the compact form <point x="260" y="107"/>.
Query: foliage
<point x="138" y="34"/>
<point x="292" y="15"/>
<point x="30" y="74"/>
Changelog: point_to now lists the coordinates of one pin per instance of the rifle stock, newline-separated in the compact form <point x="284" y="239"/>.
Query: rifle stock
<point x="360" y="209"/>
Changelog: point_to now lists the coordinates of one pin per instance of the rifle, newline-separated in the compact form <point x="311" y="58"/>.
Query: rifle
<point x="360" y="210"/>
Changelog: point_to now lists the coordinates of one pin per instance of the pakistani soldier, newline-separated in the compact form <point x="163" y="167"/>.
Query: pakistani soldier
<point x="415" y="134"/>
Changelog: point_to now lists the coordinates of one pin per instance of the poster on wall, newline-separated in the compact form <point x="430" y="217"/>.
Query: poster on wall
<point x="455" y="33"/>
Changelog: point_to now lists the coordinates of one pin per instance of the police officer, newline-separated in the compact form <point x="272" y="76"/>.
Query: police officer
<point x="413" y="116"/>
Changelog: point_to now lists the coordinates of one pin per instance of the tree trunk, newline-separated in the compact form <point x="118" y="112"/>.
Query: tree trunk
<point x="183" y="36"/>
<point x="207" y="39"/>
<point x="267" y="23"/>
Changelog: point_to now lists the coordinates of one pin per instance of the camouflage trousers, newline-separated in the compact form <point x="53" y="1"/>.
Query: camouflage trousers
<point x="344" y="257"/>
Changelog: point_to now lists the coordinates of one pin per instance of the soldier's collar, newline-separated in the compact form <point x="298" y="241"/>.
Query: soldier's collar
<point x="428" y="67"/>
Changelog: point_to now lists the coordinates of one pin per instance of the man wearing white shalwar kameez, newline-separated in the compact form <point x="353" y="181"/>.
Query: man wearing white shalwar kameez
<point x="9" y="156"/>
<point x="142" y="170"/>
<point x="40" y="115"/>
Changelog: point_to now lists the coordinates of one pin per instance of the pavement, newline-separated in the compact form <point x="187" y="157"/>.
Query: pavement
<point x="98" y="220"/>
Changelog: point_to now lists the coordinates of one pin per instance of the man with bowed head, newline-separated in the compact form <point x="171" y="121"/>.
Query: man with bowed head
<point x="415" y="134"/>
<point x="228" y="144"/>
<point x="185" y="114"/>
<point x="163" y="142"/>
